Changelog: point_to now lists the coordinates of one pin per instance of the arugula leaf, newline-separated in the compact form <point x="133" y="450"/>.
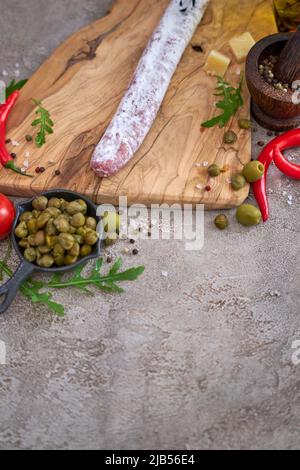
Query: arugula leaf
<point x="231" y="102"/>
<point x="13" y="86"/>
<point x="44" y="122"/>
<point x="31" y="290"/>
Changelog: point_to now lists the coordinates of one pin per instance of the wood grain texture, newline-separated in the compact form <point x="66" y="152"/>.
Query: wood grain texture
<point x="82" y="84"/>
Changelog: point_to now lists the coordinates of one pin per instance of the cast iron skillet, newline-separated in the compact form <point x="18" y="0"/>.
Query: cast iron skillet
<point x="10" y="289"/>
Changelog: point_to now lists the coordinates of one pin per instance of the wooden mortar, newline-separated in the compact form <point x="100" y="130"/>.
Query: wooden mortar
<point x="273" y="108"/>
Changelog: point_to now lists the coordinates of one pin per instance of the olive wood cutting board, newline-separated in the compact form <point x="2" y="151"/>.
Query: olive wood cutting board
<point x="82" y="83"/>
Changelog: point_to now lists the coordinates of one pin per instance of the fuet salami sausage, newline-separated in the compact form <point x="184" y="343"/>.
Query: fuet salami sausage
<point x="141" y="103"/>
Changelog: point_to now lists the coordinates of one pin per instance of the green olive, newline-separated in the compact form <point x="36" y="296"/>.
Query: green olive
<point x="238" y="182"/>
<point x="58" y="250"/>
<point x="37" y="239"/>
<point x="230" y="137"/>
<point x="91" y="223"/>
<point x="44" y="250"/>
<point x="78" y="220"/>
<point x="221" y="222"/>
<point x="30" y="255"/>
<point x="66" y="240"/>
<point x="62" y="224"/>
<point x="32" y="226"/>
<point x="43" y="219"/>
<point x="54" y="202"/>
<point x="91" y="238"/>
<point x="73" y="207"/>
<point x="46" y="261"/>
<point x="69" y="259"/>
<point x="111" y="222"/>
<point x="85" y="250"/>
<point x="253" y="171"/>
<point x="40" y="203"/>
<point x="214" y="170"/>
<point x="53" y="211"/>
<point x="75" y="250"/>
<point x="26" y="216"/>
<point x="21" y="230"/>
<point x="244" y="123"/>
<point x="248" y="215"/>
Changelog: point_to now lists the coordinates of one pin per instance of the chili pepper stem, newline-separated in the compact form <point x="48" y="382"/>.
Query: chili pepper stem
<point x="11" y="166"/>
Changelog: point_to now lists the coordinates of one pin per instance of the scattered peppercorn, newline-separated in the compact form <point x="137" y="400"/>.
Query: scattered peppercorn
<point x="221" y="222"/>
<point x="28" y="138"/>
<point x="214" y="170"/>
<point x="208" y="188"/>
<point x="197" y="47"/>
<point x="37" y="170"/>
<point x="230" y="137"/>
<point x="42" y="169"/>
<point x="13" y="155"/>
<point x="261" y="143"/>
<point x="8" y="141"/>
<point x="269" y="133"/>
<point x="57" y="172"/>
<point x="135" y="252"/>
<point x="267" y="71"/>
<point x="244" y="123"/>
<point x="132" y="241"/>
<point x="109" y="259"/>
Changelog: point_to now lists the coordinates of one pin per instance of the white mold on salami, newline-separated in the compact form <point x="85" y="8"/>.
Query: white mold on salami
<point x="140" y="105"/>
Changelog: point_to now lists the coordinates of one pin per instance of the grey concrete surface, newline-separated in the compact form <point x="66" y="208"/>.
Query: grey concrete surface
<point x="198" y="359"/>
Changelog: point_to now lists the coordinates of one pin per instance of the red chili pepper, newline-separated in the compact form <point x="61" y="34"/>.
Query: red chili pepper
<point x="6" y="159"/>
<point x="273" y="151"/>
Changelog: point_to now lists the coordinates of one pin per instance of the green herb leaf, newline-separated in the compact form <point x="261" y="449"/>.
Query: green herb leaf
<point x="13" y="86"/>
<point x="231" y="102"/>
<point x="44" y="122"/>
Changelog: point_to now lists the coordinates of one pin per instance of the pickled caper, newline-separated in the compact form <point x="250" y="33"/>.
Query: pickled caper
<point x="43" y="219"/>
<point x="214" y="170"/>
<point x="44" y="249"/>
<point x="244" y="123"/>
<point x="46" y="261"/>
<point x="32" y="226"/>
<point x="230" y="137"/>
<point x="50" y="228"/>
<point x="53" y="211"/>
<point x="21" y="230"/>
<point x="26" y="216"/>
<point x="50" y="240"/>
<point x="91" y="223"/>
<point x="30" y="255"/>
<point x="24" y="243"/>
<point x="37" y="239"/>
<point x="62" y="224"/>
<point x="66" y="240"/>
<point x="63" y="204"/>
<point x="78" y="220"/>
<point x="75" y="250"/>
<point x="59" y="260"/>
<point x="40" y="203"/>
<point x="91" y="238"/>
<point x="78" y="238"/>
<point x="73" y="207"/>
<point x="238" y="182"/>
<point x="221" y="222"/>
<point x="36" y="213"/>
<point x="85" y="250"/>
<point x="69" y="259"/>
<point x="58" y="250"/>
<point x="54" y="202"/>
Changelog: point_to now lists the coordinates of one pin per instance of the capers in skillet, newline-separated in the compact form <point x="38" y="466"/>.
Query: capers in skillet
<point x="43" y="219"/>
<point x="75" y="250"/>
<point x="24" y="243"/>
<point x="73" y="207"/>
<point x="21" y="230"/>
<point x="85" y="250"/>
<point x="78" y="220"/>
<point x="40" y="203"/>
<point x="68" y="260"/>
<point x="58" y="250"/>
<point x="26" y="216"/>
<point x="32" y="226"/>
<point x="66" y="240"/>
<point x="30" y="255"/>
<point x="46" y="261"/>
<point x="62" y="224"/>
<point x="44" y="249"/>
<point x="63" y="204"/>
<point x="36" y="213"/>
<point x="91" y="238"/>
<point x="91" y="223"/>
<point x="54" y="202"/>
<point x="53" y="211"/>
<point x="37" y="239"/>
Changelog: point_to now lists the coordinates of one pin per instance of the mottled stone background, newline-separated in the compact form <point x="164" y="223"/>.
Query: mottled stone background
<point x="200" y="357"/>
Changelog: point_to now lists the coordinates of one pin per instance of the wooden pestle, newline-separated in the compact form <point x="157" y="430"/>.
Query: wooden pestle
<point x="287" y="69"/>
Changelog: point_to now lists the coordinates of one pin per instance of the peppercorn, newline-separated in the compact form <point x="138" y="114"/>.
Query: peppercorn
<point x="197" y="47"/>
<point x="57" y="173"/>
<point x="261" y="143"/>
<point x="37" y="170"/>
<point x="8" y="141"/>
<point x="109" y="259"/>
<point x="132" y="241"/>
<point x="42" y="169"/>
<point x="269" y="133"/>
<point x="135" y="252"/>
<point x="208" y="188"/>
<point x="13" y="155"/>
<point x="28" y="138"/>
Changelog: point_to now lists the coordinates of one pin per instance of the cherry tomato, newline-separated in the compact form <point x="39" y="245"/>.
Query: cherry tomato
<point x="7" y="216"/>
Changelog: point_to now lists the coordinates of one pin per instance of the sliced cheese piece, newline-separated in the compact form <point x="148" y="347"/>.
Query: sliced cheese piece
<point x="241" y="46"/>
<point x="216" y="63"/>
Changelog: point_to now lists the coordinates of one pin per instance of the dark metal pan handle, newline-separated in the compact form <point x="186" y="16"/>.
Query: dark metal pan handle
<point x="10" y="289"/>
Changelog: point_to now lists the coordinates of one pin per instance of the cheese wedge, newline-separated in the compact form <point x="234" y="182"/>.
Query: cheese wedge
<point x="241" y="46"/>
<point x="217" y="63"/>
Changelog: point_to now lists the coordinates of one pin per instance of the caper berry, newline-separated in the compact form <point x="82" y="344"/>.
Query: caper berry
<point x="69" y="259"/>
<point x="78" y="220"/>
<point x="43" y="219"/>
<point x="244" y="123"/>
<point x="221" y="222"/>
<point x="66" y="240"/>
<point x="58" y="250"/>
<point x="75" y="206"/>
<point x="40" y="203"/>
<point x="230" y="137"/>
<point x="214" y="170"/>
<point x="75" y="250"/>
<point x="26" y="216"/>
<point x="238" y="182"/>
<point x="45" y="261"/>
<point x="37" y="239"/>
<point x="44" y="250"/>
<point x="32" y="226"/>
<point x="253" y="171"/>
<point x="85" y="250"/>
<point x="248" y="215"/>
<point x="54" y="202"/>
<point x="91" y="238"/>
<point x="21" y="230"/>
<point x="62" y="224"/>
<point x="91" y="223"/>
